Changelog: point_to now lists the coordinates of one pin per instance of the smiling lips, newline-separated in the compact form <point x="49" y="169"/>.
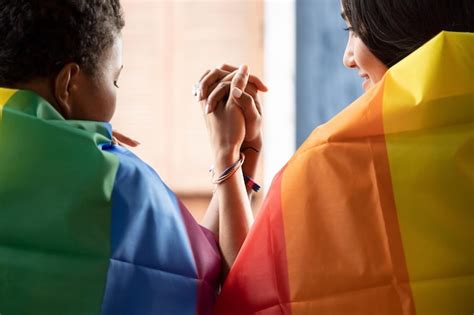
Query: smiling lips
<point x="366" y="82"/>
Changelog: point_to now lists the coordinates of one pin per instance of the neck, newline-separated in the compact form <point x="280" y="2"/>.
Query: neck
<point x="42" y="87"/>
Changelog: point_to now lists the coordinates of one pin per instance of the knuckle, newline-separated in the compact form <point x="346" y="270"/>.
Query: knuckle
<point x="212" y="73"/>
<point x="239" y="79"/>
<point x="205" y="73"/>
<point x="204" y="82"/>
<point x="211" y="98"/>
<point x="248" y="99"/>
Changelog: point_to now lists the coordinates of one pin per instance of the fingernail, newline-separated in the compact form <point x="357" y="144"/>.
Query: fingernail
<point x="206" y="109"/>
<point x="237" y="93"/>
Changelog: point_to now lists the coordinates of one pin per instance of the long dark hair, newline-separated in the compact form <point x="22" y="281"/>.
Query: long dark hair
<point x="392" y="29"/>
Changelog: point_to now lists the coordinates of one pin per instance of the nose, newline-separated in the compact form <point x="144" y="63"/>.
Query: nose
<point x="348" y="58"/>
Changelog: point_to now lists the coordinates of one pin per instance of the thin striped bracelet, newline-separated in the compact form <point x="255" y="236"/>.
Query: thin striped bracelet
<point x="250" y="183"/>
<point x="230" y="170"/>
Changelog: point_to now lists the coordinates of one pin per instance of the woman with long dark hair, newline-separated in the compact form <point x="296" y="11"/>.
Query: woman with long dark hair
<point x="373" y="213"/>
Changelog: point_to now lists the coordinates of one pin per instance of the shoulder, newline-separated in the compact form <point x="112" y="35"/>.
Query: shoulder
<point x="134" y="173"/>
<point x="130" y="164"/>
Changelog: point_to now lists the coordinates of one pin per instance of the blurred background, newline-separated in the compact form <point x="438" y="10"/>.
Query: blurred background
<point x="295" y="46"/>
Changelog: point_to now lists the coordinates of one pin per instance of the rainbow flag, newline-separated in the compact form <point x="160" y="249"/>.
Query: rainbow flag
<point x="374" y="214"/>
<point x="86" y="227"/>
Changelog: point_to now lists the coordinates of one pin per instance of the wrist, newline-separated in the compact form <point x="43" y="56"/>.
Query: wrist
<point x="225" y="157"/>
<point x="255" y="145"/>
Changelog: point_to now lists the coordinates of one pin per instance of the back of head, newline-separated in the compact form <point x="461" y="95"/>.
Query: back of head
<point x="38" y="37"/>
<point x="392" y="29"/>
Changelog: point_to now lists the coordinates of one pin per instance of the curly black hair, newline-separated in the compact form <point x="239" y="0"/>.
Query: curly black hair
<point x="38" y="37"/>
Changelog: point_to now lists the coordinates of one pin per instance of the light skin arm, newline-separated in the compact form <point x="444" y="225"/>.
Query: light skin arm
<point x="235" y="212"/>
<point x="230" y="212"/>
<point x="249" y="168"/>
<point x="251" y="149"/>
<point x="208" y="83"/>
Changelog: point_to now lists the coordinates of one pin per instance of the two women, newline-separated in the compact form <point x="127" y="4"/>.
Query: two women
<point x="368" y="217"/>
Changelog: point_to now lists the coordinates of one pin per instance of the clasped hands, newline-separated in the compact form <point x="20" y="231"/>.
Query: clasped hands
<point x="232" y="111"/>
<point x="228" y="97"/>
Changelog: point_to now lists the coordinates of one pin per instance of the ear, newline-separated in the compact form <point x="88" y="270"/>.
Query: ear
<point x="65" y="83"/>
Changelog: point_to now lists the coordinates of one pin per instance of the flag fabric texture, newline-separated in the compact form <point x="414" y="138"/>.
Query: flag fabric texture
<point x="374" y="214"/>
<point x="86" y="227"/>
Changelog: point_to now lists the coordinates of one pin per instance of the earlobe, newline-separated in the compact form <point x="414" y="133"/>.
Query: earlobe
<point x="63" y="86"/>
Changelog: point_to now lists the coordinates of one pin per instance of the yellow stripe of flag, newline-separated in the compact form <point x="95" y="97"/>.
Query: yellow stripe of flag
<point x="5" y="95"/>
<point x="429" y="125"/>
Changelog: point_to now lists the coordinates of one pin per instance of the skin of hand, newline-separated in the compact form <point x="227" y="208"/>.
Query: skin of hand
<point x="123" y="139"/>
<point x="226" y="123"/>
<point x="217" y="93"/>
<point x="209" y="81"/>
<point x="226" y="126"/>
<point x="215" y="87"/>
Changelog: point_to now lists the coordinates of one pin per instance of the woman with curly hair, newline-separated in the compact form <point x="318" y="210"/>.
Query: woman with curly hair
<point x="85" y="225"/>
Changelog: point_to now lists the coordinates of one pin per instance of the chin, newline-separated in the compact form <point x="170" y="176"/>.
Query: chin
<point x="367" y="84"/>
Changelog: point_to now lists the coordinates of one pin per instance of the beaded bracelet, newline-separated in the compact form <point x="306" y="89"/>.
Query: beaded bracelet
<point x="229" y="171"/>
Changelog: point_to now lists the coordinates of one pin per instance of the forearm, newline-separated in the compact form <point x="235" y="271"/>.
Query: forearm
<point x="249" y="168"/>
<point x="229" y="125"/>
<point x="234" y="214"/>
<point x="211" y="216"/>
<point x="252" y="154"/>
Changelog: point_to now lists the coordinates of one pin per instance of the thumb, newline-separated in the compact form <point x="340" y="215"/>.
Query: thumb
<point x="239" y="82"/>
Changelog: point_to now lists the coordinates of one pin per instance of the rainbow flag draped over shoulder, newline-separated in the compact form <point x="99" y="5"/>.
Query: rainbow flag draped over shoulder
<point x="374" y="214"/>
<point x="86" y="227"/>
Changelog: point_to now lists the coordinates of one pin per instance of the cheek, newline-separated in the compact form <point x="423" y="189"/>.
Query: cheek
<point x="100" y="99"/>
<point x="108" y="99"/>
<point x="368" y="63"/>
<point x="361" y="56"/>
